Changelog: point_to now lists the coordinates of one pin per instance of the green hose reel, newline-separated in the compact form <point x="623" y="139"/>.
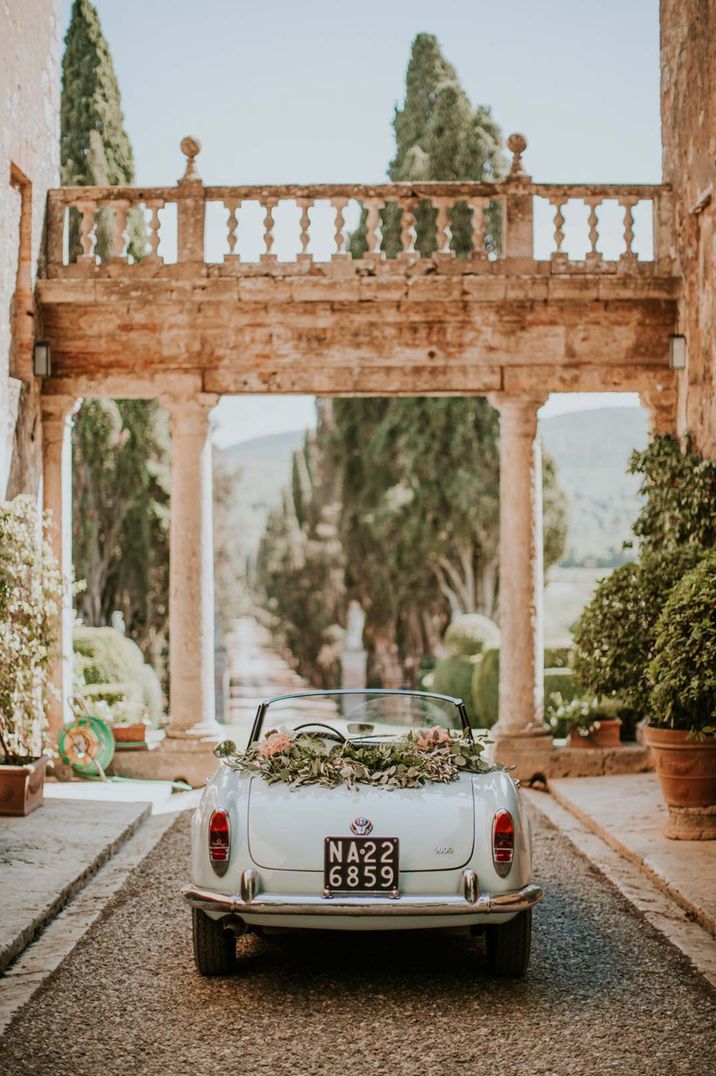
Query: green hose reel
<point x="87" y="745"/>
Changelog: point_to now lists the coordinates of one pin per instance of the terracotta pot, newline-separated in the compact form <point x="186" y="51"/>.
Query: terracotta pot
<point x="22" y="787"/>
<point x="606" y="735"/>
<point x="686" y="768"/>
<point x="129" y="733"/>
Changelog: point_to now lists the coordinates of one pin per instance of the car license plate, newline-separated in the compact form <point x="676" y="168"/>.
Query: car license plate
<point x="361" y="865"/>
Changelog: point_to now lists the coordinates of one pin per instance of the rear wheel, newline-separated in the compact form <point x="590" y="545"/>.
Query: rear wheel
<point x="214" y="947"/>
<point x="508" y="946"/>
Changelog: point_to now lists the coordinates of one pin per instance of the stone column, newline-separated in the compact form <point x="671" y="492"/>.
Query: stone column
<point x="57" y="412"/>
<point x="521" y="690"/>
<point x="191" y="570"/>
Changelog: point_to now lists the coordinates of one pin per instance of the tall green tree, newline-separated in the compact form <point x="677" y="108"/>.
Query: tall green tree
<point x="94" y="146"/>
<point x="120" y="475"/>
<point x="418" y="479"/>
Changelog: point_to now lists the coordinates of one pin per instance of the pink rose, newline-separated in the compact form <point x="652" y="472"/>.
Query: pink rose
<point x="275" y="743"/>
<point x="430" y="738"/>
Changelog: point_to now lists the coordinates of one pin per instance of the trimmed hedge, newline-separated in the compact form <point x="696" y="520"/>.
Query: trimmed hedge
<point x="683" y="666"/>
<point x="485" y="684"/>
<point x="470" y="634"/>
<point x="485" y="687"/>
<point x="453" y="675"/>
<point x="615" y="635"/>
<point x="557" y="657"/>
<point x="113" y="667"/>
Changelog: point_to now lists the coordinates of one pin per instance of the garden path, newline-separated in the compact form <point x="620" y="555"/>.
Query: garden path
<point x="604" y="993"/>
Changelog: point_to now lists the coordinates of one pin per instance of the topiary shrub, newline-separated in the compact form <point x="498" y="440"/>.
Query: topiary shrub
<point x="683" y="665"/>
<point x="614" y="638"/>
<point x="470" y="634"/>
<point x="453" y="675"/>
<point x="485" y="687"/>
<point x="110" y="666"/>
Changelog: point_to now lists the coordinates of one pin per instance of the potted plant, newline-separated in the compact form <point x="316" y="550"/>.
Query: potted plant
<point x="681" y="730"/>
<point x="587" y="722"/>
<point x="31" y="589"/>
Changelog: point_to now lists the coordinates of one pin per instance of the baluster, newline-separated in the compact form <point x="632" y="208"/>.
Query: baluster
<point x="269" y="206"/>
<point x="628" y="258"/>
<point x="119" y="230"/>
<point x="478" y="227"/>
<point x="88" y="231"/>
<point x="559" y="257"/>
<point x="372" y="228"/>
<point x="442" y="228"/>
<point x="593" y="258"/>
<point x="304" y="204"/>
<point x="407" y="231"/>
<point x="154" y="205"/>
<point x="339" y="204"/>
<point x="232" y="222"/>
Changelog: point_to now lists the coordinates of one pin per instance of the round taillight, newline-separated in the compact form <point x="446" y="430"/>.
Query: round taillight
<point x="503" y="842"/>
<point x="219" y="841"/>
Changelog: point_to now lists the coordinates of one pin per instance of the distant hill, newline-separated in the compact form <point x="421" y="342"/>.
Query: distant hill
<point x="263" y="467"/>
<point x="591" y="450"/>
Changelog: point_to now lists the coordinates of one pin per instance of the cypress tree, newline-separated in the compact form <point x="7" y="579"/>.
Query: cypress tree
<point x="94" y="146"/>
<point x="418" y="479"/>
<point x="120" y="474"/>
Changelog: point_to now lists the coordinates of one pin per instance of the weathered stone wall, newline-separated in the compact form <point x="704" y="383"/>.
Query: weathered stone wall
<point x="688" y="119"/>
<point x="29" y="165"/>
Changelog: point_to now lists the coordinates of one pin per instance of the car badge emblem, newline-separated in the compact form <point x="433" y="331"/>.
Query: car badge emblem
<point x="361" y="826"/>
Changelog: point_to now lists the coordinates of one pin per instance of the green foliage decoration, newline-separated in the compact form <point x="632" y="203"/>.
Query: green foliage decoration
<point x="409" y="761"/>
<point x="683" y="664"/>
<point x="31" y="593"/>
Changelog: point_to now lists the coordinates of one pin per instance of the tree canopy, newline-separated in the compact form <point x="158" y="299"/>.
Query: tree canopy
<point x="414" y="491"/>
<point x="121" y="473"/>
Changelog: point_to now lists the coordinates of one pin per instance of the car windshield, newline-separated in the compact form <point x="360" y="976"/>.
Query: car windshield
<point x="361" y="714"/>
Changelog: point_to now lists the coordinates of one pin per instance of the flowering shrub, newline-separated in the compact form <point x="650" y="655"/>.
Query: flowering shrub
<point x="408" y="762"/>
<point x="31" y="589"/>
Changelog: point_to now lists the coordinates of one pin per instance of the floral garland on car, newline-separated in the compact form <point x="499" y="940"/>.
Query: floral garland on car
<point x="432" y="755"/>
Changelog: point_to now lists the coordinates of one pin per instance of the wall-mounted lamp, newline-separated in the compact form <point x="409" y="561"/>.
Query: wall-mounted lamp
<point x="677" y="352"/>
<point x="41" y="359"/>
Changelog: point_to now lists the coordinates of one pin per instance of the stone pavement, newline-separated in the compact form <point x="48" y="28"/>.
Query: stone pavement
<point x="628" y="812"/>
<point x="49" y="855"/>
<point x="604" y="994"/>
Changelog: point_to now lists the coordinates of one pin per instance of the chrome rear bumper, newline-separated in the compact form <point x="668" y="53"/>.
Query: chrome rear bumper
<point x="267" y="904"/>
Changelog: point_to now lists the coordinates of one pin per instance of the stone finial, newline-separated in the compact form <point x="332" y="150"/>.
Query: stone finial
<point x="190" y="147"/>
<point x="517" y="144"/>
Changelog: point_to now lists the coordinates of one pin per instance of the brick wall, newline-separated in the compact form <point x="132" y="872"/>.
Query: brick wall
<point x="29" y="164"/>
<point x="688" y="113"/>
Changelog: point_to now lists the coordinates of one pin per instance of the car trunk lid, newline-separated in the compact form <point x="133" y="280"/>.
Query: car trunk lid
<point x="288" y="825"/>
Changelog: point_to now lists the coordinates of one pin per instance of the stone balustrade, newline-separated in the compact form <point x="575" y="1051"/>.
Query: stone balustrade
<point x="410" y="222"/>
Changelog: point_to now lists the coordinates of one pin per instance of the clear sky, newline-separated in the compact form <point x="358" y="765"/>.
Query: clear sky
<point x="304" y="92"/>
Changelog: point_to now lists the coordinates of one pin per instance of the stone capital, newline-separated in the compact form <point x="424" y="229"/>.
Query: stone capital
<point x="187" y="404"/>
<point x="57" y="414"/>
<point x="519" y="413"/>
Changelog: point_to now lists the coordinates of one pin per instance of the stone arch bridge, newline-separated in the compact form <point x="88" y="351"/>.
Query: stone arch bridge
<point x="508" y="325"/>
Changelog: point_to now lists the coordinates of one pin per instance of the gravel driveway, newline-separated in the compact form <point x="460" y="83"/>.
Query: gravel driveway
<point x="605" y="994"/>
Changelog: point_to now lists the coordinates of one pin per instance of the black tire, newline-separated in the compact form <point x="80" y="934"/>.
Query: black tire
<point x="214" y="947"/>
<point x="508" y="946"/>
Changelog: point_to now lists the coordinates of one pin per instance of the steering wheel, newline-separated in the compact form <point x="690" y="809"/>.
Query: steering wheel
<point x="332" y="734"/>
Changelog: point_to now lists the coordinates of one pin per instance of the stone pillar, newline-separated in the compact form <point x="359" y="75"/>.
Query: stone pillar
<point x="191" y="570"/>
<point x="57" y="412"/>
<point x="521" y="690"/>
